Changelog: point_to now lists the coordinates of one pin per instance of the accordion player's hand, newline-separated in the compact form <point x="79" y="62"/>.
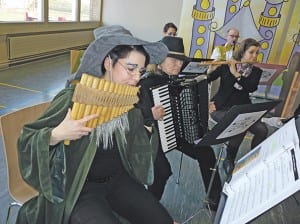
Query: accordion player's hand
<point x="211" y="106"/>
<point x="158" y="112"/>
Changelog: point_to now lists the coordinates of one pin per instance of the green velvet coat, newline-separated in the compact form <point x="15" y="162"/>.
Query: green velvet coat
<point x="58" y="173"/>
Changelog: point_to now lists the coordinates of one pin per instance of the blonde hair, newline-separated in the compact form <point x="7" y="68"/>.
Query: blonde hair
<point x="151" y="68"/>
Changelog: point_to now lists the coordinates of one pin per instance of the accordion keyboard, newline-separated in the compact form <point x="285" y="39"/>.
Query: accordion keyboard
<point x="166" y="126"/>
<point x="186" y="108"/>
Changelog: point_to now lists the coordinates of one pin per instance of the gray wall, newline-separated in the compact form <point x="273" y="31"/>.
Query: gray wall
<point x="145" y="19"/>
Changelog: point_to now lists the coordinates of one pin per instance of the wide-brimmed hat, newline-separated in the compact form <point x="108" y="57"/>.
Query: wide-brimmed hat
<point x="176" y="47"/>
<point x="107" y="38"/>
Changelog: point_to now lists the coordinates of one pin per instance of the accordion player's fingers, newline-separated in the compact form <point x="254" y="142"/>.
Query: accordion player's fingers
<point x="211" y="106"/>
<point x="158" y="112"/>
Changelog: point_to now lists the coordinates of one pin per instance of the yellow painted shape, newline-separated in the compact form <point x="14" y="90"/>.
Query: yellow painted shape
<point x="201" y="29"/>
<point x="200" y="41"/>
<point x="232" y="9"/>
<point x="272" y="11"/>
<point x="205" y="4"/>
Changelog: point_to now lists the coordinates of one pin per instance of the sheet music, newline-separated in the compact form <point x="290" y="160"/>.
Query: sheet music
<point x="264" y="177"/>
<point x="195" y="68"/>
<point x="267" y="74"/>
<point x="241" y="123"/>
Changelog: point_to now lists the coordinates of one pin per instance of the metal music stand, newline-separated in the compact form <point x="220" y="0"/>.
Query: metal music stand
<point x="236" y="121"/>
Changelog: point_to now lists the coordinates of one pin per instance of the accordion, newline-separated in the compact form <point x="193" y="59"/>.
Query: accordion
<point x="186" y="107"/>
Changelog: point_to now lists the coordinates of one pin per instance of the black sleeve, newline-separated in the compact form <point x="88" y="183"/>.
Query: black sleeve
<point x="145" y="104"/>
<point x="216" y="73"/>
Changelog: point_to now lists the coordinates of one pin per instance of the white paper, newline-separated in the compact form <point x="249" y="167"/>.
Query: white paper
<point x="264" y="177"/>
<point x="241" y="123"/>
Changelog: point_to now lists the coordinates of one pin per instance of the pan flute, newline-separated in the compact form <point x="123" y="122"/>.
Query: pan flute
<point x="107" y="99"/>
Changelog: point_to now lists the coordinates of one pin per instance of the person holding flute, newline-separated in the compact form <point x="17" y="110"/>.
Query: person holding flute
<point x="238" y="78"/>
<point x="101" y="175"/>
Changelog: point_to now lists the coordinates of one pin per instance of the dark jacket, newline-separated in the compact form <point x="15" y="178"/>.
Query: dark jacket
<point x="228" y="95"/>
<point x="58" y="173"/>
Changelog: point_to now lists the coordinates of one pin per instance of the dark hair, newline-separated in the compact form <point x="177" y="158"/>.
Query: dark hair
<point x="122" y="51"/>
<point x="243" y="47"/>
<point x="169" y="25"/>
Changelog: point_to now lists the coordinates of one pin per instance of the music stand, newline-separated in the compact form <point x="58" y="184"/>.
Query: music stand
<point x="237" y="120"/>
<point x="193" y="67"/>
<point x="280" y="150"/>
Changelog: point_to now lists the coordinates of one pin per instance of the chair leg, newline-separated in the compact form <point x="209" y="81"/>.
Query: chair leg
<point x="179" y="170"/>
<point x="9" y="210"/>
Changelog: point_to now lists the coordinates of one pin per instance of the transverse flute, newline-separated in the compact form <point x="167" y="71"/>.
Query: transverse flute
<point x="228" y="62"/>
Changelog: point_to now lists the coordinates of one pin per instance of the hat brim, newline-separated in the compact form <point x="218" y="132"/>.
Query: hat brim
<point x="156" y="50"/>
<point x="97" y="51"/>
<point x="179" y="57"/>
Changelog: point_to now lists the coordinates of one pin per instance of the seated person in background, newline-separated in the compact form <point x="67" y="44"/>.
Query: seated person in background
<point x="237" y="81"/>
<point x="100" y="173"/>
<point x="170" y="29"/>
<point x="168" y="71"/>
<point x="225" y="51"/>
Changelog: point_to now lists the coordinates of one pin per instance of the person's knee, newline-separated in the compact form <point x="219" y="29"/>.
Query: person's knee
<point x="261" y="130"/>
<point x="265" y="131"/>
<point x="260" y="133"/>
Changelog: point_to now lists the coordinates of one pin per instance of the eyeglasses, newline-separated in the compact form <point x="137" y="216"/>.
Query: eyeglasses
<point x="234" y="36"/>
<point x="132" y="69"/>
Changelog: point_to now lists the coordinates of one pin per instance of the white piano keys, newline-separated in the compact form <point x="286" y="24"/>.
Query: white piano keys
<point x="166" y="126"/>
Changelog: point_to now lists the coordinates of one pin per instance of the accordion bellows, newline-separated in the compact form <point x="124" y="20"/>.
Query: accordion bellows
<point x="107" y="99"/>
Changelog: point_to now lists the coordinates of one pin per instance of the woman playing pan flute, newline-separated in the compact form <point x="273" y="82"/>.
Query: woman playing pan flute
<point x="102" y="172"/>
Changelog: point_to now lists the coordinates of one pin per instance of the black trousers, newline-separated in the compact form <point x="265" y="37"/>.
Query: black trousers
<point x="122" y="195"/>
<point x="258" y="129"/>
<point x="206" y="159"/>
<point x="162" y="172"/>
